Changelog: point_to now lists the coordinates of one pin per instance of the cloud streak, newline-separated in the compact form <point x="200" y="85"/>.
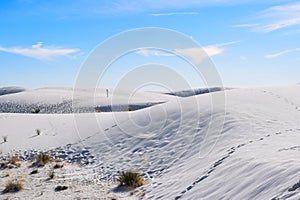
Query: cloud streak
<point x="94" y="8"/>
<point x="276" y="18"/>
<point x="276" y="55"/>
<point x="244" y="25"/>
<point x="38" y="52"/>
<point x="174" y="13"/>
<point x="152" y="52"/>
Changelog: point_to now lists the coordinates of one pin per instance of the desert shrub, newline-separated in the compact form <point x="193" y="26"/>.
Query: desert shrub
<point x="130" y="179"/>
<point x="36" y="110"/>
<point x="10" y="163"/>
<point x="13" y="160"/>
<point x="3" y="165"/>
<point x="38" y="131"/>
<point x="6" y="174"/>
<point x="13" y="186"/>
<point x="4" y="138"/>
<point x="42" y="159"/>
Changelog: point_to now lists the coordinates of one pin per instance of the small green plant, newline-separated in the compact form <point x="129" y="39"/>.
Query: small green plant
<point x="42" y="159"/>
<point x="129" y="109"/>
<point x="13" y="186"/>
<point x="130" y="179"/>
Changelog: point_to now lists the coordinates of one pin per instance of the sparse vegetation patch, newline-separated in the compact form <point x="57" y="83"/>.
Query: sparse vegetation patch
<point x="13" y="186"/>
<point x="130" y="179"/>
<point x="42" y="159"/>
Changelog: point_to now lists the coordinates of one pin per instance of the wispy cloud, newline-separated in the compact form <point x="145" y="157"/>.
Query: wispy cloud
<point x="278" y="25"/>
<point x="197" y="55"/>
<point x="275" y="18"/>
<point x="94" y="8"/>
<point x="244" y="25"/>
<point x="174" y="13"/>
<point x="38" y="52"/>
<point x="152" y="52"/>
<point x="275" y="55"/>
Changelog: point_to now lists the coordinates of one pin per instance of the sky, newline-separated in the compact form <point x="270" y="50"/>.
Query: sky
<point x="250" y="42"/>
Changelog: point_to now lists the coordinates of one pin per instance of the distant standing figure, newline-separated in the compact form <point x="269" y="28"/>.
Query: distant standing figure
<point x="107" y="93"/>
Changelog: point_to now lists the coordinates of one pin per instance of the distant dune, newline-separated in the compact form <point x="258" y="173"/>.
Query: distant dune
<point x="11" y="90"/>
<point x="188" y="93"/>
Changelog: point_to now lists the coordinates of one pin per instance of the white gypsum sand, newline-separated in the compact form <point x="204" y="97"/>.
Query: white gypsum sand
<point x="256" y="155"/>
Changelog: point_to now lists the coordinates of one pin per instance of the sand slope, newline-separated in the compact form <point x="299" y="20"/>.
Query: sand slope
<point x="256" y="156"/>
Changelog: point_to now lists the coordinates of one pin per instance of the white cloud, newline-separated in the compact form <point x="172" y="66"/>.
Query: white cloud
<point x="38" y="52"/>
<point x="279" y="17"/>
<point x="174" y="13"/>
<point x="275" y="55"/>
<point x="197" y="54"/>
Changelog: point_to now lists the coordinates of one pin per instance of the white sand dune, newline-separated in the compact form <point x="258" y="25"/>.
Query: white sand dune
<point x="11" y="90"/>
<point x="256" y="156"/>
<point x="66" y="100"/>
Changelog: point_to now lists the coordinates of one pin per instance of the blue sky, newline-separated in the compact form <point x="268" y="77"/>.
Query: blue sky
<point x="252" y="43"/>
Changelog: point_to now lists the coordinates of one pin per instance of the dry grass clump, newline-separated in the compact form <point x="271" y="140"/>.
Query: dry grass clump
<point x="6" y="174"/>
<point x="10" y="163"/>
<point x="13" y="186"/>
<point x="130" y="179"/>
<point x="42" y="159"/>
<point x="13" y="161"/>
